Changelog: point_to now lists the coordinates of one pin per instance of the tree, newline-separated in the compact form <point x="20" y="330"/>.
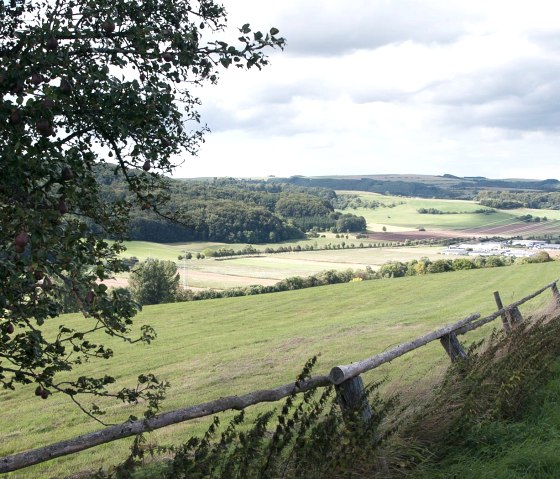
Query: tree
<point x="349" y="222"/>
<point x="154" y="281"/>
<point x="84" y="83"/>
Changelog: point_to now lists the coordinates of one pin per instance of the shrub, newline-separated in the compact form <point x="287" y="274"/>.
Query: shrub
<point x="462" y="264"/>
<point x="440" y="266"/>
<point x="540" y="257"/>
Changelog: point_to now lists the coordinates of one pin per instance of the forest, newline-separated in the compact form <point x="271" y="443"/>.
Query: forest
<point x="234" y="211"/>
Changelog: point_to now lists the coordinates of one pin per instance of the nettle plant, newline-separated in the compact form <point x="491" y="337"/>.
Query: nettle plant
<point x="84" y="83"/>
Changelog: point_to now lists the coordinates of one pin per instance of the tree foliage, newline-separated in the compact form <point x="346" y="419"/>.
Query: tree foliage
<point x="84" y="83"/>
<point x="154" y="281"/>
<point x="234" y="211"/>
<point x="513" y="199"/>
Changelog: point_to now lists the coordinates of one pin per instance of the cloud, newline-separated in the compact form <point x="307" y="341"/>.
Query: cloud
<point x="391" y="86"/>
<point x="519" y="96"/>
<point x="331" y="28"/>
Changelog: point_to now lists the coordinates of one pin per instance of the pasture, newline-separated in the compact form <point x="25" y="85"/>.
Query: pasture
<point x="230" y="346"/>
<point x="401" y="214"/>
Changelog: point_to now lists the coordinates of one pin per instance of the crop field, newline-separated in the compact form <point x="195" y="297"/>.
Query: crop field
<point x="269" y="269"/>
<point x="215" y="348"/>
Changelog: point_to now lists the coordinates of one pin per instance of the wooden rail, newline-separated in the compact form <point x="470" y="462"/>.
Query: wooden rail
<point x="339" y="374"/>
<point x="346" y="378"/>
<point x="487" y="319"/>
<point x="132" y="428"/>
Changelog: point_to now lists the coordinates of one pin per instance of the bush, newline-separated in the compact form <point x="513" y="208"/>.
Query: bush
<point x="462" y="264"/>
<point x="440" y="266"/>
<point x="540" y="257"/>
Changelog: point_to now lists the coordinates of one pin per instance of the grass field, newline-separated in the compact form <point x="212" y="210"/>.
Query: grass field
<point x="269" y="269"/>
<point x="171" y="251"/>
<point x="230" y="346"/>
<point x="404" y="214"/>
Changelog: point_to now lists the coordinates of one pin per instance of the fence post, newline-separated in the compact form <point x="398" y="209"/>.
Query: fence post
<point x="555" y="293"/>
<point x="453" y="347"/>
<point x="505" y="316"/>
<point x="515" y="316"/>
<point x="352" y="398"/>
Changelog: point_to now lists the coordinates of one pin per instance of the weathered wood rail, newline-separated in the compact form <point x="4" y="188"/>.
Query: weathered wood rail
<point x="346" y="379"/>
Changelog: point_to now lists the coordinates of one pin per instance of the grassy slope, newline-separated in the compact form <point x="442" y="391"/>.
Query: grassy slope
<point x="405" y="216"/>
<point x="231" y="346"/>
<point x="170" y="251"/>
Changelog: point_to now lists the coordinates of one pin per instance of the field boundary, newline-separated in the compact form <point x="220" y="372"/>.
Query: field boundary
<point x="345" y="378"/>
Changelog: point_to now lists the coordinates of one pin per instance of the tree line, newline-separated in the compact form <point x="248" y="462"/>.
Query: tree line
<point x="534" y="194"/>
<point x="520" y="199"/>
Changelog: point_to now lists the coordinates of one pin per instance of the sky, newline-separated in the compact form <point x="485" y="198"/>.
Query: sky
<point x="470" y="88"/>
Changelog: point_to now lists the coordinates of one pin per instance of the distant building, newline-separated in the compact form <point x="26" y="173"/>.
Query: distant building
<point x="527" y="243"/>
<point x="493" y="249"/>
<point x="489" y="246"/>
<point x="453" y="250"/>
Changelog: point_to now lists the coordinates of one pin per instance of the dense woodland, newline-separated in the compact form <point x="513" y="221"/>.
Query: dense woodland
<point x="235" y="211"/>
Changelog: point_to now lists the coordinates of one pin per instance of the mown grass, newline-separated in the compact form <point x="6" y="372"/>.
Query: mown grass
<point x="230" y="346"/>
<point x="171" y="251"/>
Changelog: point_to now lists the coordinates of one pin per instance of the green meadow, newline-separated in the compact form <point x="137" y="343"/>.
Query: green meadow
<point x="171" y="251"/>
<point x="401" y="213"/>
<point x="221" y="347"/>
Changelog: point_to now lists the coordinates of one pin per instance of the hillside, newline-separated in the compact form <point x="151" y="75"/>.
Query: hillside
<point x="279" y="209"/>
<point x="428" y="186"/>
<point x="231" y="346"/>
<point x="524" y="448"/>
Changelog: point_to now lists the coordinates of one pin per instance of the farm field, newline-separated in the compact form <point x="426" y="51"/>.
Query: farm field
<point x="268" y="269"/>
<point x="400" y="214"/>
<point x="400" y="218"/>
<point x="230" y="346"/>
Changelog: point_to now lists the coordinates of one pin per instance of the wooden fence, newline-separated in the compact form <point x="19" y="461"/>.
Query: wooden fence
<point x="346" y="378"/>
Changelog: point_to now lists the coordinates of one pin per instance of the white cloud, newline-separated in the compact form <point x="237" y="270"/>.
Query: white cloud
<point x="463" y="87"/>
